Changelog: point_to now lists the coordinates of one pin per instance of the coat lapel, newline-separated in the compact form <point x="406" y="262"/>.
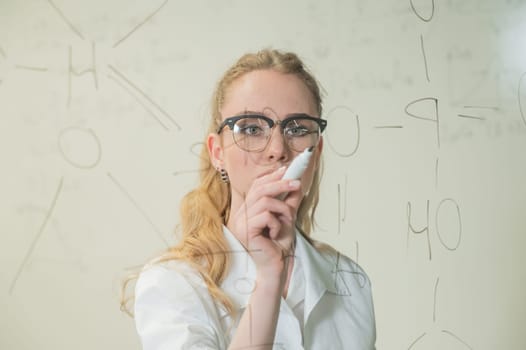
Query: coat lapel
<point x="319" y="273"/>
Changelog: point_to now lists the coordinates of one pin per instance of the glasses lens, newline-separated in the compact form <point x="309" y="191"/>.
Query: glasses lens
<point x="251" y="133"/>
<point x="301" y="133"/>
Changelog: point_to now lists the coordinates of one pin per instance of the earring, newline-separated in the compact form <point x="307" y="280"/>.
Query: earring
<point x="224" y="175"/>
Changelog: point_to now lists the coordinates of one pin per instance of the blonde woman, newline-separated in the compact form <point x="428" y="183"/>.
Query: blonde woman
<point x="245" y="274"/>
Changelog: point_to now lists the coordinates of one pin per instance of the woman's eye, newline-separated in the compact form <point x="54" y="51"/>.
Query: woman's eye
<point x="251" y="130"/>
<point x="297" y="131"/>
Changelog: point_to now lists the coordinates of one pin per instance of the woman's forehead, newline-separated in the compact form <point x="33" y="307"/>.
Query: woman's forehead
<point x="270" y="93"/>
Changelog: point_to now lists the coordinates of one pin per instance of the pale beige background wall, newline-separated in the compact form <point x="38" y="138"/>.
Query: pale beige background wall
<point x="102" y="104"/>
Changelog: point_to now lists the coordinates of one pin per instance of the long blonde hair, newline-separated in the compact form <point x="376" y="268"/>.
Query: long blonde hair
<point x="205" y="209"/>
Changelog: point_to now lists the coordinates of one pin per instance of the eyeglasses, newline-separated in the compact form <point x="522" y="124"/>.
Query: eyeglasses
<point x="252" y="132"/>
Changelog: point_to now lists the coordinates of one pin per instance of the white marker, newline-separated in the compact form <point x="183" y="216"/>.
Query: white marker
<point x="297" y="167"/>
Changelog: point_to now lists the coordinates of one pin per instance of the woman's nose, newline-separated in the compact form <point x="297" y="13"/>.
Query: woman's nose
<point x="277" y="148"/>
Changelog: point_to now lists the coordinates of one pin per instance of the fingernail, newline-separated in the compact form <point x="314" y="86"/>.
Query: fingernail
<point x="281" y="168"/>
<point x="294" y="183"/>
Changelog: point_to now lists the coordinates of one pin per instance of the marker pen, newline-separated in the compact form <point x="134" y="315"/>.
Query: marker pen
<point x="297" y="167"/>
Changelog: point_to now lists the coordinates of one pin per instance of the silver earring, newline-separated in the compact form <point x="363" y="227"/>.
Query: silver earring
<point x="224" y="175"/>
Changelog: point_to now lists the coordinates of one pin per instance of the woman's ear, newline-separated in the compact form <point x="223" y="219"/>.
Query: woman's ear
<point x="215" y="150"/>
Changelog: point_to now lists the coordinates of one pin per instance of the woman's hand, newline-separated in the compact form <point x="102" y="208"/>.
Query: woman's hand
<point x="264" y="224"/>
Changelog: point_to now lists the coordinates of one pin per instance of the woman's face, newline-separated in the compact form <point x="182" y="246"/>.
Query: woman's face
<point x="275" y="95"/>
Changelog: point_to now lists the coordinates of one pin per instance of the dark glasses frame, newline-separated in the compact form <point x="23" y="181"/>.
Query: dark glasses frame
<point x="231" y="121"/>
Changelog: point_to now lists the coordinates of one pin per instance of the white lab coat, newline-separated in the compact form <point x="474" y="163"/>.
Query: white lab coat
<point x="173" y="309"/>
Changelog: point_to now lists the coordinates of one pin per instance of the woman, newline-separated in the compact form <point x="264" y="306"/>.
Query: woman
<point x="245" y="274"/>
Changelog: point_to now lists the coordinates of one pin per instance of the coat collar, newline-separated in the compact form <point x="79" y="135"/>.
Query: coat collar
<point x="319" y="273"/>
<point x="240" y="281"/>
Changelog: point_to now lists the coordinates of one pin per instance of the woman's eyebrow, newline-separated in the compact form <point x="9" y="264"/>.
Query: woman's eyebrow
<point x="288" y="115"/>
<point x="298" y="114"/>
<point x="245" y="112"/>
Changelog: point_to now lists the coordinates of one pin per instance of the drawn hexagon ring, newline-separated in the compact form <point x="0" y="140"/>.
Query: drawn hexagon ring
<point x="80" y="147"/>
<point x="339" y="124"/>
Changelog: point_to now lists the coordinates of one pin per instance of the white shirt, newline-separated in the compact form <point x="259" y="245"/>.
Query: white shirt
<point x="173" y="309"/>
<point x="296" y="292"/>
